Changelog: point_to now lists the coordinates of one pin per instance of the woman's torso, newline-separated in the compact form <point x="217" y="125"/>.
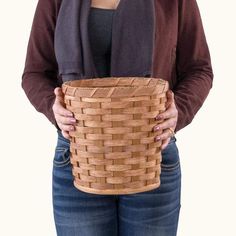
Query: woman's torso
<point x="100" y="36"/>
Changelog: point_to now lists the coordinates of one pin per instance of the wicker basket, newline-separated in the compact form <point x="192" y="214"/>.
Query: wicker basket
<point x="112" y="150"/>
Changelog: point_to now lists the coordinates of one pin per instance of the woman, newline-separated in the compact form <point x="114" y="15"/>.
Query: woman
<point x="152" y="38"/>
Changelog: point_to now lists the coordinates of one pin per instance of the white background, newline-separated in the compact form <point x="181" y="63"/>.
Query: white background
<point x="207" y="146"/>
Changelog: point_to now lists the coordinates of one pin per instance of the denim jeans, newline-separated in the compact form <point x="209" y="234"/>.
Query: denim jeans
<point x="154" y="212"/>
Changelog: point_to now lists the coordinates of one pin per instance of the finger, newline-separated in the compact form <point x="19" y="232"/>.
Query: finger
<point x="165" y="124"/>
<point x="66" y="135"/>
<point x="169" y="113"/>
<point x="66" y="127"/>
<point x="59" y="109"/>
<point x="65" y="120"/>
<point x="165" y="135"/>
<point x="165" y="143"/>
<point x="170" y="107"/>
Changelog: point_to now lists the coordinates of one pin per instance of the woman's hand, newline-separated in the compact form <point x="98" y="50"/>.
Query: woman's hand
<point x="64" y="117"/>
<point x="170" y="117"/>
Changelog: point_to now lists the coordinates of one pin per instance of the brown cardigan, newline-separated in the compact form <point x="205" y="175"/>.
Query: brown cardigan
<point x="181" y="56"/>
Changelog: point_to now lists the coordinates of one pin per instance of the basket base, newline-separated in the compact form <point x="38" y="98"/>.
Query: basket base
<point x="118" y="191"/>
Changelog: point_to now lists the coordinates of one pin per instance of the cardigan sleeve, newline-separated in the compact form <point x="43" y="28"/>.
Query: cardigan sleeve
<point x="193" y="64"/>
<point x="40" y="75"/>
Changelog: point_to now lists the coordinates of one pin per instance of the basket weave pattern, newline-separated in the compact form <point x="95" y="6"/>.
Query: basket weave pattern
<point x="112" y="150"/>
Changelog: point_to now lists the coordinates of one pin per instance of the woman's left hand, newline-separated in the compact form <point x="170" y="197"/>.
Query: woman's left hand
<point x="170" y="117"/>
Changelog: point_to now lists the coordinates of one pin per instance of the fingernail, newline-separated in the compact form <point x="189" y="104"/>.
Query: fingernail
<point x="72" y="128"/>
<point x="159" y="117"/>
<point x="157" y="128"/>
<point x="157" y="138"/>
<point x="69" y="114"/>
<point x="73" y="120"/>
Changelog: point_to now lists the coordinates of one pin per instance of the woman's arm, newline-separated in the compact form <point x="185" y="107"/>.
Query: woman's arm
<point x="194" y="73"/>
<point x="193" y="64"/>
<point x="40" y="75"/>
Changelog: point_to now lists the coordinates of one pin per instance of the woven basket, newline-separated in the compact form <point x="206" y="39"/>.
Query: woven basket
<point x="112" y="150"/>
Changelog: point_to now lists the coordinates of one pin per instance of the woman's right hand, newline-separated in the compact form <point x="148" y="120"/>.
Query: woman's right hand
<point x="64" y="117"/>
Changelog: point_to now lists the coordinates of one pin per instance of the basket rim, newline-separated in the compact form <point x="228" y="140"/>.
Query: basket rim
<point x="68" y="83"/>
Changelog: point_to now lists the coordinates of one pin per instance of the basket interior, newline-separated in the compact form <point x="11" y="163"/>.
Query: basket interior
<point x="107" y="82"/>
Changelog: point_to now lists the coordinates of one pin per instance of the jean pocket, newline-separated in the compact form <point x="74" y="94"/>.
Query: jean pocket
<point x="62" y="152"/>
<point x="61" y="156"/>
<point x="170" y="156"/>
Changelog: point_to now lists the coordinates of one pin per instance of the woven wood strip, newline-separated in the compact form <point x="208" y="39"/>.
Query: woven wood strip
<point x="112" y="150"/>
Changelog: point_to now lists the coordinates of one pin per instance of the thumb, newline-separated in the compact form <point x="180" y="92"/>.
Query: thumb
<point x="59" y="94"/>
<point x="170" y="98"/>
<point x="170" y="94"/>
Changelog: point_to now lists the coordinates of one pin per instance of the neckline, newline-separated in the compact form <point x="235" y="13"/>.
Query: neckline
<point x="106" y="9"/>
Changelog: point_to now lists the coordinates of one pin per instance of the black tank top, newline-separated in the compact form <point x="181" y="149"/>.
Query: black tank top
<point x="100" y="36"/>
